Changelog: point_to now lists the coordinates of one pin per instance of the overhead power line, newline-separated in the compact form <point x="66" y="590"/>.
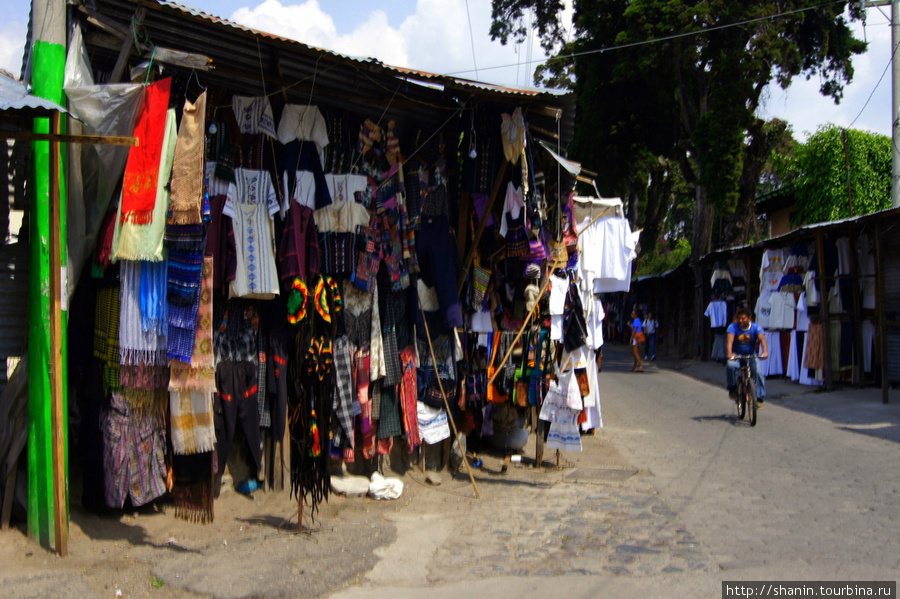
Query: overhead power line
<point x="664" y="38"/>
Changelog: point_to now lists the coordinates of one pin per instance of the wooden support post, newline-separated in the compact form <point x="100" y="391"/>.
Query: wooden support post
<point x="127" y="43"/>
<point x="501" y="176"/>
<point x="58" y="408"/>
<point x="823" y="305"/>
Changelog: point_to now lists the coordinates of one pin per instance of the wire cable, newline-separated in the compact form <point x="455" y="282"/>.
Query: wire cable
<point x="874" y="89"/>
<point x="662" y="39"/>
<point x="471" y="38"/>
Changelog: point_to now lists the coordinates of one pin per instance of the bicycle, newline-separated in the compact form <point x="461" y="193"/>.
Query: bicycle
<point x="746" y="400"/>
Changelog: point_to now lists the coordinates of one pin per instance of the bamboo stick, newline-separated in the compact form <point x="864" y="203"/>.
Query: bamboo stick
<point x="447" y="407"/>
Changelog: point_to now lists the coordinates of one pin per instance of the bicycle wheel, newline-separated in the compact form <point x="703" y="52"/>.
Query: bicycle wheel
<point x="741" y="404"/>
<point x="751" y="401"/>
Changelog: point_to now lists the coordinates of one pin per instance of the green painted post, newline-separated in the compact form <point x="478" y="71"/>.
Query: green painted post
<point x="48" y="59"/>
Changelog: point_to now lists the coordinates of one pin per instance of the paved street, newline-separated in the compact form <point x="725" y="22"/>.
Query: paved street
<point x="810" y="493"/>
<point x="673" y="496"/>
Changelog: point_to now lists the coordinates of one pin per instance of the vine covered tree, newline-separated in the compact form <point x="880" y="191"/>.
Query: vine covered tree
<point x="838" y="173"/>
<point x="681" y="80"/>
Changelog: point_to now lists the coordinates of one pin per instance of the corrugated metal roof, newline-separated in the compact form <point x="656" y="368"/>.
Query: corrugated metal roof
<point x="251" y="62"/>
<point x="804" y="232"/>
<point x="14" y="96"/>
<point x="405" y="71"/>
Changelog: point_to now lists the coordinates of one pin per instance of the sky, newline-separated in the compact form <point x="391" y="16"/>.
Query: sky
<point x="451" y="37"/>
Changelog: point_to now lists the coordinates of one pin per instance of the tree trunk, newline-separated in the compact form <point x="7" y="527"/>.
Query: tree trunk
<point x="762" y="140"/>
<point x="659" y="193"/>
<point x="704" y="218"/>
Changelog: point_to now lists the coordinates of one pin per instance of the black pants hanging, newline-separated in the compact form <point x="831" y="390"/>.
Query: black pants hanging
<point x="236" y="402"/>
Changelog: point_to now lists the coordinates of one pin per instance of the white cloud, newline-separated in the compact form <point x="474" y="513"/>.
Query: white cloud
<point x="435" y="37"/>
<point x="309" y="24"/>
<point x="12" y="46"/>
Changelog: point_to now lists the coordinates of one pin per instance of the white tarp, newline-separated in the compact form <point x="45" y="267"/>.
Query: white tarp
<point x="95" y="171"/>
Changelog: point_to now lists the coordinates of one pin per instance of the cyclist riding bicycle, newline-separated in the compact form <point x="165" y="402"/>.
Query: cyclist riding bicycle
<point x="745" y="337"/>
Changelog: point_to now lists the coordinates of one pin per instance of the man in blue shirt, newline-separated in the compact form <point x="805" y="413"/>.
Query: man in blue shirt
<point x="744" y="337"/>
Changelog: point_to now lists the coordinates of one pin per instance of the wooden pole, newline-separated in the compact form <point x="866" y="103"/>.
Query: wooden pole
<point x="823" y="306"/>
<point x="57" y="416"/>
<point x="487" y="212"/>
<point x="447" y="407"/>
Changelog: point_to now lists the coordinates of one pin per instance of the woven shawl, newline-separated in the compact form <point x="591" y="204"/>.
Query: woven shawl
<point x="154" y="310"/>
<point x="133" y="241"/>
<point x="106" y="336"/>
<point x="200" y="373"/>
<point x="191" y="422"/>
<point x="193" y="490"/>
<point x="136" y="347"/>
<point x="188" y="168"/>
<point x="142" y="168"/>
<point x="185" y="243"/>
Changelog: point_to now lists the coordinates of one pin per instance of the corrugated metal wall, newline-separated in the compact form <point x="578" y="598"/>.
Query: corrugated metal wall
<point x="891" y="267"/>
<point x="14" y="259"/>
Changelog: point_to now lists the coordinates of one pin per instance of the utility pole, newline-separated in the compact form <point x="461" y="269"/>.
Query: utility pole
<point x="895" y="105"/>
<point x="895" y="91"/>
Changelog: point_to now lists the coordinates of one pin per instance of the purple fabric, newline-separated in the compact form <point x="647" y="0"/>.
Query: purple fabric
<point x="480" y="202"/>
<point x="299" y="252"/>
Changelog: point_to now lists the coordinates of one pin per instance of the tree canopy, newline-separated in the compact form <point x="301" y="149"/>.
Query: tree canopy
<point x="678" y="82"/>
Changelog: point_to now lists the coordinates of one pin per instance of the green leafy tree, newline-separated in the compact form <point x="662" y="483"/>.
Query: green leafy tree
<point x="682" y="81"/>
<point x="839" y="173"/>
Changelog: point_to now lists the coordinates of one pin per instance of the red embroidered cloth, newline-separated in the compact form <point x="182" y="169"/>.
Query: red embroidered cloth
<point x="142" y="168"/>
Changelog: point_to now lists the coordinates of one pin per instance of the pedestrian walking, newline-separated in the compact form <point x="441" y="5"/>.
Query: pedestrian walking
<point x="650" y="327"/>
<point x="637" y="341"/>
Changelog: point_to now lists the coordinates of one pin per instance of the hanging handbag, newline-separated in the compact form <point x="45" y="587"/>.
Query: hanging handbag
<point x="639" y="337"/>
<point x="494" y="394"/>
<point x="574" y="325"/>
<point x="481" y="278"/>
<point x="558" y="252"/>
<point x="520" y="387"/>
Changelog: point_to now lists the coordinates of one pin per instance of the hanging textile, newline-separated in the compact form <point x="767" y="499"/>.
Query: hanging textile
<point x="188" y="167"/>
<point x="408" y="397"/>
<point x="136" y="346"/>
<point x="134" y="463"/>
<point x="311" y="396"/>
<point x="512" y="131"/>
<point x="191" y="423"/>
<point x="106" y="336"/>
<point x="185" y="275"/>
<point x="139" y="185"/>
<point x="154" y="309"/>
<point x="132" y="241"/>
<point x="193" y="489"/>
<point x="254" y="114"/>
<point x="199" y="373"/>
